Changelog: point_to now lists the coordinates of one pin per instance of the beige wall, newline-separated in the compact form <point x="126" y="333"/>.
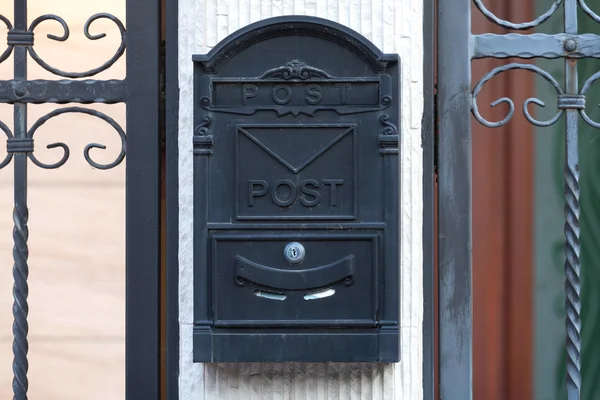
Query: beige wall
<point x="77" y="227"/>
<point x="394" y="26"/>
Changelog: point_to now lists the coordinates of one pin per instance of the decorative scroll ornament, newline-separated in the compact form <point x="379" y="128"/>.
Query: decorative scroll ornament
<point x="202" y="129"/>
<point x="586" y="9"/>
<point x="86" y="151"/>
<point x="390" y="128"/>
<point x="86" y="31"/>
<point x="518" y="26"/>
<point x="10" y="47"/>
<point x="564" y="101"/>
<point x="388" y="137"/>
<point x="510" y="103"/>
<point x="582" y="92"/>
<point x="9" y="135"/>
<point x="25" y="38"/>
<point x="295" y="70"/>
<point x="203" y="142"/>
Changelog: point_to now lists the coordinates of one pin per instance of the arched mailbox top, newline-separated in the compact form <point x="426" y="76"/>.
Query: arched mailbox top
<point x="294" y="25"/>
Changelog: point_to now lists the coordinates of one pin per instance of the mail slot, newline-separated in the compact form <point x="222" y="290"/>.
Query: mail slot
<point x="296" y="187"/>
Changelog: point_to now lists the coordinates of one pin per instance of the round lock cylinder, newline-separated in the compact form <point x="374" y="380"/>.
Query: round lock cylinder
<point x="294" y="252"/>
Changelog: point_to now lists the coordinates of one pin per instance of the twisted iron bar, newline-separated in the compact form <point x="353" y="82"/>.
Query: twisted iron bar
<point x="20" y="308"/>
<point x="572" y="263"/>
<point x="86" y="152"/>
<point x="517" y="26"/>
<point x="86" y="31"/>
<point x="9" y="49"/>
<point x="586" y="9"/>
<point x="509" y="102"/>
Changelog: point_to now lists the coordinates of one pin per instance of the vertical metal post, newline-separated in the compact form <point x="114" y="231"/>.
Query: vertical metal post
<point x="455" y="254"/>
<point x="20" y="216"/>
<point x="572" y="211"/>
<point x="143" y="252"/>
<point x="428" y="140"/>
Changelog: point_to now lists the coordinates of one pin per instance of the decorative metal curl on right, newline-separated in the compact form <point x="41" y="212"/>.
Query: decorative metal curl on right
<point x="86" y="31"/>
<point x="9" y="135"/>
<point x="582" y="92"/>
<point x="517" y="26"/>
<point x="511" y="104"/>
<point x="9" y="49"/>
<point x="586" y="9"/>
<point x="86" y="151"/>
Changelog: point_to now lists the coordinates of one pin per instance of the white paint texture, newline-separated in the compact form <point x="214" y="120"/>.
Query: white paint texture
<point x="395" y="26"/>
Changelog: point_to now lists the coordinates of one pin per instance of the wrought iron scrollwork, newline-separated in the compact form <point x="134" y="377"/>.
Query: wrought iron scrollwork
<point x="9" y="49"/>
<point x="20" y="142"/>
<point x="90" y="36"/>
<point x="586" y="86"/>
<point x="86" y="151"/>
<point x="22" y="35"/>
<point x="522" y="25"/>
<point x="564" y="101"/>
<point x="9" y="135"/>
<point x="586" y="9"/>
<point x="509" y="102"/>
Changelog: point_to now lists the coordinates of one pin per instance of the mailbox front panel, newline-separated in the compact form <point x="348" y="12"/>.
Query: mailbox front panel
<point x="296" y="238"/>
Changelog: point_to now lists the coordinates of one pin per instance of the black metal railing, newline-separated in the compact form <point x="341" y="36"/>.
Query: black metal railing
<point x="457" y="46"/>
<point x="20" y="142"/>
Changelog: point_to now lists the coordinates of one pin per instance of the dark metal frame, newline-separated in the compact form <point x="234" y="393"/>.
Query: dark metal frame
<point x="172" y="201"/>
<point x="141" y="92"/>
<point x="457" y="46"/>
<point x="427" y="143"/>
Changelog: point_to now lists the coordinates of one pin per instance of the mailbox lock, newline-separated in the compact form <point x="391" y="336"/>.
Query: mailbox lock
<point x="294" y="252"/>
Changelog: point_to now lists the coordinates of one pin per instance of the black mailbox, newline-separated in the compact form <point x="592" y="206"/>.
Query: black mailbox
<point x="296" y="238"/>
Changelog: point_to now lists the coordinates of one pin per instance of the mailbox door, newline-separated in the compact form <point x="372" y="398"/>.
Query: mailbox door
<point x="332" y="282"/>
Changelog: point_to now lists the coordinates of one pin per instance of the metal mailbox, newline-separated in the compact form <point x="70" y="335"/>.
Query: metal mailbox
<point x="296" y="187"/>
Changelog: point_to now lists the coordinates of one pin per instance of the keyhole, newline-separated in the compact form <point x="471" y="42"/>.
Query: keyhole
<point x="294" y="252"/>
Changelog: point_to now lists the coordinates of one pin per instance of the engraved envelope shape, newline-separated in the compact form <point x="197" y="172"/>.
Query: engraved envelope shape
<point x="295" y="147"/>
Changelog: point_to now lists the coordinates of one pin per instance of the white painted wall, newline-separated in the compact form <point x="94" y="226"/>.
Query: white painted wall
<point x="395" y="26"/>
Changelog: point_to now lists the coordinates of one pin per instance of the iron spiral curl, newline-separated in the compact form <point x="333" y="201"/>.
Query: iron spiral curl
<point x="586" y="86"/>
<point x="517" y="26"/>
<point x="509" y="102"/>
<point x="86" y="151"/>
<point x="20" y="309"/>
<point x="586" y="9"/>
<point x="9" y="135"/>
<point x="9" y="49"/>
<point x="572" y="282"/>
<point x="90" y="36"/>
